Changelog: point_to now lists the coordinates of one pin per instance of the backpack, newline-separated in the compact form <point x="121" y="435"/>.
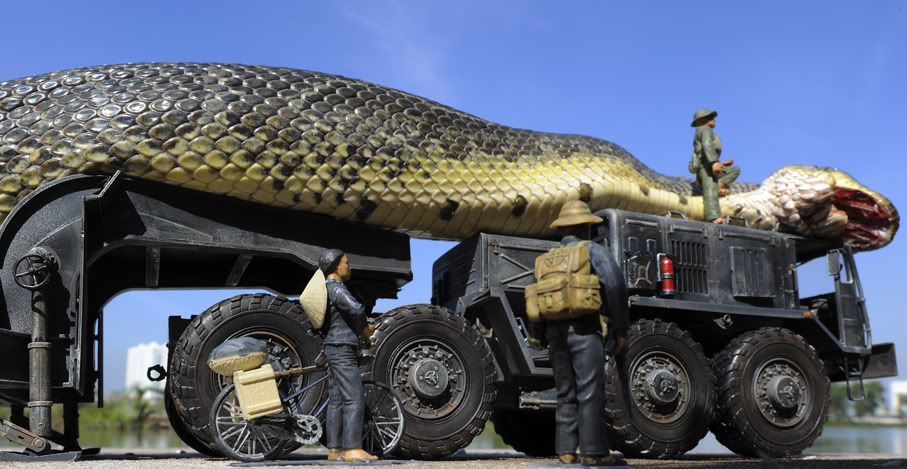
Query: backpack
<point x="565" y="287"/>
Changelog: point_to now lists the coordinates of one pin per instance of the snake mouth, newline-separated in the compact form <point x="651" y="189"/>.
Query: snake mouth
<point x="819" y="202"/>
<point x="870" y="220"/>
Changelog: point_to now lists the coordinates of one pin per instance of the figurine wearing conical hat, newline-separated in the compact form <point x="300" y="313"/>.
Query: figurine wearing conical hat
<point x="712" y="175"/>
<point x="345" y="323"/>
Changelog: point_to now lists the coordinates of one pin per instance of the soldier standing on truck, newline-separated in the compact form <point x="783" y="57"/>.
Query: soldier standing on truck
<point x="345" y="323"/>
<point x="567" y="303"/>
<point x="712" y="175"/>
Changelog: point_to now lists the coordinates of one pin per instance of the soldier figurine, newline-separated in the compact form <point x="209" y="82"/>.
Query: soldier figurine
<point x="345" y="322"/>
<point x="566" y="303"/>
<point x="713" y="176"/>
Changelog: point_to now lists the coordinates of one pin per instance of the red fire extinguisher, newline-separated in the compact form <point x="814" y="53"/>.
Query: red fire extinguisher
<point x="666" y="266"/>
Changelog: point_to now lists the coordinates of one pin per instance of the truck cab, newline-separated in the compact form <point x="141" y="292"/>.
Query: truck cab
<point x="720" y="338"/>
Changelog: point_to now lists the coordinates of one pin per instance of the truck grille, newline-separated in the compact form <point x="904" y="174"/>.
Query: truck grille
<point x="690" y="262"/>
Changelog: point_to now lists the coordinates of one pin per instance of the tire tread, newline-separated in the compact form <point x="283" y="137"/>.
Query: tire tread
<point x="182" y="383"/>
<point x="625" y="437"/>
<point x="414" y="447"/>
<point x="730" y="425"/>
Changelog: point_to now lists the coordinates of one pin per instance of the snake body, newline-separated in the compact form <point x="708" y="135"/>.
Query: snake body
<point x="356" y="150"/>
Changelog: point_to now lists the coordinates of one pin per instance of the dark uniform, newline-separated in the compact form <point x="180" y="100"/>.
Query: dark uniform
<point x="577" y="357"/>
<point x="346" y="406"/>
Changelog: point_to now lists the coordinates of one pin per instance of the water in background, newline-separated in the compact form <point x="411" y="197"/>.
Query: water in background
<point x="147" y="439"/>
<point x="834" y="439"/>
<point x="880" y="440"/>
<point x="130" y="439"/>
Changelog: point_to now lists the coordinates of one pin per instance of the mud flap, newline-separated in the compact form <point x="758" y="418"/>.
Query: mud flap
<point x="883" y="362"/>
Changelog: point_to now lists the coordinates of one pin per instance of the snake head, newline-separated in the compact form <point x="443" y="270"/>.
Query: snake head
<point x="828" y="203"/>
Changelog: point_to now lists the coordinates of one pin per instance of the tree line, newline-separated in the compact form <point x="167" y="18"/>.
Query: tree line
<point x="843" y="409"/>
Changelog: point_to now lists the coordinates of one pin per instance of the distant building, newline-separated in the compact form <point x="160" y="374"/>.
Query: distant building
<point x="897" y="402"/>
<point x="138" y="359"/>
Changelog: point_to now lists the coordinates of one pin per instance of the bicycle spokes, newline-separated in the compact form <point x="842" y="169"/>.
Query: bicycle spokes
<point x="238" y="437"/>
<point x="383" y="419"/>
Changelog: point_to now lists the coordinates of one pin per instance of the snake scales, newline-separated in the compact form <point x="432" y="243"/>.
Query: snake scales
<point x="352" y="149"/>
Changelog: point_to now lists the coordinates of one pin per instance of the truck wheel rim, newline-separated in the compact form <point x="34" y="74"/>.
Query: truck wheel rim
<point x="660" y="386"/>
<point x="428" y="377"/>
<point x="781" y="392"/>
<point x="427" y="392"/>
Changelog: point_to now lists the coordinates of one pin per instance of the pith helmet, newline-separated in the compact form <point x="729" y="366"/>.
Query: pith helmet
<point x="575" y="212"/>
<point x="703" y="116"/>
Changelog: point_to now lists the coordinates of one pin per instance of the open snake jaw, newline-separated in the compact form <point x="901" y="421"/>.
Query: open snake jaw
<point x="870" y="224"/>
<point x="828" y="203"/>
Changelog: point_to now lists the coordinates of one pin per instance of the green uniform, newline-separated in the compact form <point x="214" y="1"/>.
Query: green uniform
<point x="707" y="150"/>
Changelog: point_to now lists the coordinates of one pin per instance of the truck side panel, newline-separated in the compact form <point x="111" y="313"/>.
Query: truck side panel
<point x="720" y="264"/>
<point x="721" y="271"/>
<point x="485" y="276"/>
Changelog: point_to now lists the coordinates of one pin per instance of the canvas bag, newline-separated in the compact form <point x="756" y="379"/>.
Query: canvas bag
<point x="565" y="287"/>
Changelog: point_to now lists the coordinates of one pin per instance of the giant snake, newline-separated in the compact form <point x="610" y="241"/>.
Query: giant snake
<point x="356" y="150"/>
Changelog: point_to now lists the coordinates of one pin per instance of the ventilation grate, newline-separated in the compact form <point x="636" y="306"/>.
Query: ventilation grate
<point x="690" y="266"/>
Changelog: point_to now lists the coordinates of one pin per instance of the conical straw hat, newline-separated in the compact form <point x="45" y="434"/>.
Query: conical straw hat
<point x="314" y="299"/>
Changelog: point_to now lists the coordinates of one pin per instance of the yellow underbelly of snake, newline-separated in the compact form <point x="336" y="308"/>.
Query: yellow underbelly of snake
<point x="356" y="150"/>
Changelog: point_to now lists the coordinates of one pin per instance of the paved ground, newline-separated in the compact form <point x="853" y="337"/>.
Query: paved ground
<point x="156" y="459"/>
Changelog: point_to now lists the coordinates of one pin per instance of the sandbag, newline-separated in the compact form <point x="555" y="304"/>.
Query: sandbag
<point x="239" y="354"/>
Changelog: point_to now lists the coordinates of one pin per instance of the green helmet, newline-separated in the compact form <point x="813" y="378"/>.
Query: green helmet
<point x="703" y="116"/>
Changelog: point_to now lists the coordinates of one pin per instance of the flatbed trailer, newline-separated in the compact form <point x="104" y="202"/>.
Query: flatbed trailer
<point x="72" y="245"/>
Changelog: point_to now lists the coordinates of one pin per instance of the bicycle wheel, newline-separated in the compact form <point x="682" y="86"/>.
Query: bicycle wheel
<point x="237" y="437"/>
<point x="383" y="419"/>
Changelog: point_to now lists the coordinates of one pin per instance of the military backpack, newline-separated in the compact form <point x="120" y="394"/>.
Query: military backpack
<point x="565" y="286"/>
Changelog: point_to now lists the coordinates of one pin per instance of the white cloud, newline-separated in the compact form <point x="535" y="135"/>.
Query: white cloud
<point x="403" y="32"/>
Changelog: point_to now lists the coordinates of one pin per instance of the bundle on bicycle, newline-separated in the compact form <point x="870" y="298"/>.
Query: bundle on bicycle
<point x="260" y="417"/>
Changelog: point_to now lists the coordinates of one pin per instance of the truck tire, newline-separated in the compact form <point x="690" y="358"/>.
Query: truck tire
<point x="278" y="321"/>
<point x="773" y="394"/>
<point x="443" y="372"/>
<point x="529" y="432"/>
<point x="180" y="428"/>
<point x="661" y="394"/>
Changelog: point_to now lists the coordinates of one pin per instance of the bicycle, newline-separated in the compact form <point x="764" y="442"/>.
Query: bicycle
<point x="268" y="437"/>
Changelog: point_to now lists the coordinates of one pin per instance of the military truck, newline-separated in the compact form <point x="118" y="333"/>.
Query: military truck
<point x="720" y="338"/>
<point x="732" y="349"/>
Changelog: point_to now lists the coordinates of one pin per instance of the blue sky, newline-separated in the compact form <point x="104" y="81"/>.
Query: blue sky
<point x="794" y="82"/>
